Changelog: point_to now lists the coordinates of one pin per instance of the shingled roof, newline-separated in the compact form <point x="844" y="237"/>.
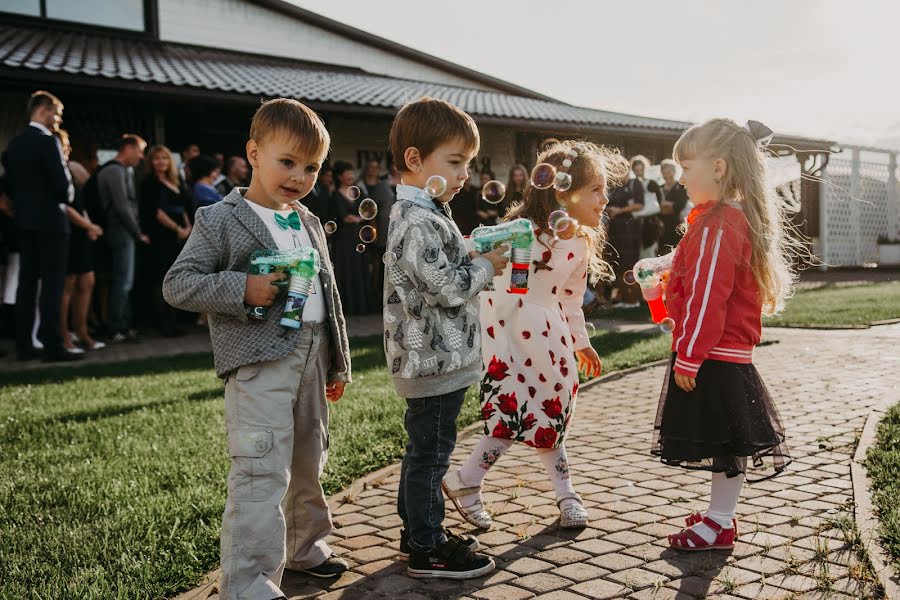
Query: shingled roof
<point x="106" y="60"/>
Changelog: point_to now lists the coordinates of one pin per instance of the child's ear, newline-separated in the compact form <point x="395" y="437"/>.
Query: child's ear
<point x="413" y="159"/>
<point x="253" y="153"/>
<point x="720" y="167"/>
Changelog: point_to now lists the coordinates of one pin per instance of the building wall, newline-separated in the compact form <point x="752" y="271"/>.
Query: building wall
<point x="240" y="25"/>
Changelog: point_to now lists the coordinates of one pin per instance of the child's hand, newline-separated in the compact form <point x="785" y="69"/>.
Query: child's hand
<point x="685" y="382"/>
<point x="334" y="390"/>
<point x="497" y="259"/>
<point x="589" y="362"/>
<point x="261" y="289"/>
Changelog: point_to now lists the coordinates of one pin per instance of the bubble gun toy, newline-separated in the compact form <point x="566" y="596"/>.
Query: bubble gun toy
<point x="302" y="264"/>
<point x="519" y="234"/>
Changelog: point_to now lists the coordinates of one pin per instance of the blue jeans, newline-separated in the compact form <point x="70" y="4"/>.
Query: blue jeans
<point x="431" y="426"/>
<point x="121" y="245"/>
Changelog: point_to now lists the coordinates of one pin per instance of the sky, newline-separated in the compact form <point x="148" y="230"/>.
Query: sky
<point x="819" y="68"/>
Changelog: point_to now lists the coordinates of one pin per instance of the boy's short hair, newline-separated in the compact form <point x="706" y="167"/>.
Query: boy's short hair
<point x="295" y="120"/>
<point x="427" y="123"/>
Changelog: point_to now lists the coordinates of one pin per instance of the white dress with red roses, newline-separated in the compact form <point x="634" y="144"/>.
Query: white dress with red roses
<point x="528" y="345"/>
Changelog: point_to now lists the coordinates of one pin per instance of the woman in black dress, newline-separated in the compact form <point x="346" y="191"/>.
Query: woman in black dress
<point x="79" y="284"/>
<point x="625" y="237"/>
<point x="675" y="198"/>
<point x="352" y="269"/>
<point x="165" y="220"/>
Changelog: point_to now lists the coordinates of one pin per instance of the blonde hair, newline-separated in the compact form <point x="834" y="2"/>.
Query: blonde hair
<point x="745" y="180"/>
<point x="592" y="161"/>
<point x="171" y="172"/>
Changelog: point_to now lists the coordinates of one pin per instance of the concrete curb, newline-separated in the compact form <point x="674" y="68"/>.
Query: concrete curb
<point x="864" y="511"/>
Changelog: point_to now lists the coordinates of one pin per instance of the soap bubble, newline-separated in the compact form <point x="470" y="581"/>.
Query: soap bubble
<point x="628" y="278"/>
<point x="367" y="234"/>
<point x="559" y="221"/>
<point x="542" y="176"/>
<point x="353" y="192"/>
<point x="493" y="192"/>
<point x="360" y="248"/>
<point x="368" y="209"/>
<point x="591" y="329"/>
<point x="330" y="227"/>
<point x="667" y="325"/>
<point x="562" y="182"/>
<point x="436" y="186"/>
<point x="389" y="258"/>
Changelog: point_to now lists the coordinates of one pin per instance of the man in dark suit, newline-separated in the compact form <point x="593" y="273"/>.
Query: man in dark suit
<point x="40" y="187"/>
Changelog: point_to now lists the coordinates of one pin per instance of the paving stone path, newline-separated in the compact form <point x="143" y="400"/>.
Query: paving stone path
<point x="795" y="529"/>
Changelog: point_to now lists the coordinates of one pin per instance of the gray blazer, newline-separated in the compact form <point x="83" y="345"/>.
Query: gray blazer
<point x="210" y="275"/>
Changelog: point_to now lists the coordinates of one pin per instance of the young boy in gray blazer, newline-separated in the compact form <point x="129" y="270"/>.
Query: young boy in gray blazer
<point x="277" y="379"/>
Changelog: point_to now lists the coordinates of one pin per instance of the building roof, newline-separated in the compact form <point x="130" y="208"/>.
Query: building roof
<point x="51" y="54"/>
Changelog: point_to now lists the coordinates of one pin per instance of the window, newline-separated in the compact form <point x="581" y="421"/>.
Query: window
<point x="120" y="14"/>
<point x="32" y="8"/>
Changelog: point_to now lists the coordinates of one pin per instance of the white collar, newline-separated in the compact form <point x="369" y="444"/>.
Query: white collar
<point x="41" y="127"/>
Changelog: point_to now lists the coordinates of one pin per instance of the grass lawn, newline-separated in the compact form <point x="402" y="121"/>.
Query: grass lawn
<point x="841" y="306"/>
<point x="883" y="466"/>
<point x="113" y="478"/>
<point x="833" y="305"/>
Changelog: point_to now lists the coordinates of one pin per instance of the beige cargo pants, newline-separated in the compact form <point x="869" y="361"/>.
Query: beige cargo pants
<point x="276" y="514"/>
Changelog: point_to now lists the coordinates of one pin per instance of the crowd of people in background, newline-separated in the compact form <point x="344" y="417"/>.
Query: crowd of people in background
<point x="83" y="254"/>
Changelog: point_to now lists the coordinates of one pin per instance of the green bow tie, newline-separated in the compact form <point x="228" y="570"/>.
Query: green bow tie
<point x="292" y="220"/>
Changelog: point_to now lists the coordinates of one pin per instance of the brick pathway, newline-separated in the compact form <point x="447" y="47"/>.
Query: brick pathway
<point x="826" y="383"/>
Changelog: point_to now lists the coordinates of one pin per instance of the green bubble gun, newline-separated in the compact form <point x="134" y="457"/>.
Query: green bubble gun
<point x="519" y="234"/>
<point x="302" y="264"/>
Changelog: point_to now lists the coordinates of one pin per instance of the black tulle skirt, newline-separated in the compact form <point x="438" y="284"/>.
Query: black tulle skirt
<point x="727" y="421"/>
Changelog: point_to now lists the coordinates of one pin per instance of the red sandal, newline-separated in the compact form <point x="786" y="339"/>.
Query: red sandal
<point x="724" y="538"/>
<point x="695" y="518"/>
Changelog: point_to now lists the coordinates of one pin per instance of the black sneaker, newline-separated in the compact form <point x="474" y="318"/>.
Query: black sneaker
<point x="465" y="540"/>
<point x="450" y="560"/>
<point x="332" y="567"/>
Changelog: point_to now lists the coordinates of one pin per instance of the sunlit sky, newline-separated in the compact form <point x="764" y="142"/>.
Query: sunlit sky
<point x="820" y="68"/>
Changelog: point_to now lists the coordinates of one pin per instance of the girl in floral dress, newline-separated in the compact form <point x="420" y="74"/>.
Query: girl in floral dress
<point x="534" y="345"/>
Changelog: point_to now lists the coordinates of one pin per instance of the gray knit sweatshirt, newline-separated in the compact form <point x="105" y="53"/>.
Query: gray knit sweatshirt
<point x="431" y="328"/>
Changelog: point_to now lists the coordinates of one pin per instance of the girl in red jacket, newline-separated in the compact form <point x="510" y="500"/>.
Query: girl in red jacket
<point x="729" y="269"/>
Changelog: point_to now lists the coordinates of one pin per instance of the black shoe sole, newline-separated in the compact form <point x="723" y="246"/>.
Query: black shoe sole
<point x="324" y="575"/>
<point x="443" y="574"/>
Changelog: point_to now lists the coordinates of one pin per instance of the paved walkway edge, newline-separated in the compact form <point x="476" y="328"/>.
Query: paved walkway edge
<point x="864" y="511"/>
<point x="209" y="584"/>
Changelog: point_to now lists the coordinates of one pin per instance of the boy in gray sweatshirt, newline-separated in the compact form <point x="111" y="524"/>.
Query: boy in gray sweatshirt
<point x="431" y="326"/>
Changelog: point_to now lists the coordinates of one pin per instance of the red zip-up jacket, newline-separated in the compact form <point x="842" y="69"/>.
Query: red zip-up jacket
<point x="712" y="294"/>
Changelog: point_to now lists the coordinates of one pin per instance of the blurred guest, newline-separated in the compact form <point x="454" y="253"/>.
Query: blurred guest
<point x="115" y="185"/>
<point x="675" y="199"/>
<point x="165" y="219"/>
<point x="352" y="269"/>
<point x="488" y="214"/>
<point x="79" y="285"/>
<point x="235" y="175"/>
<point x="204" y="170"/>
<point x="465" y="203"/>
<point x="39" y="184"/>
<point x="378" y="189"/>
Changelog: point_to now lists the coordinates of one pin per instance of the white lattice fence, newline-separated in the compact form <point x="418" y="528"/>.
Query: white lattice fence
<point x="858" y="203"/>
